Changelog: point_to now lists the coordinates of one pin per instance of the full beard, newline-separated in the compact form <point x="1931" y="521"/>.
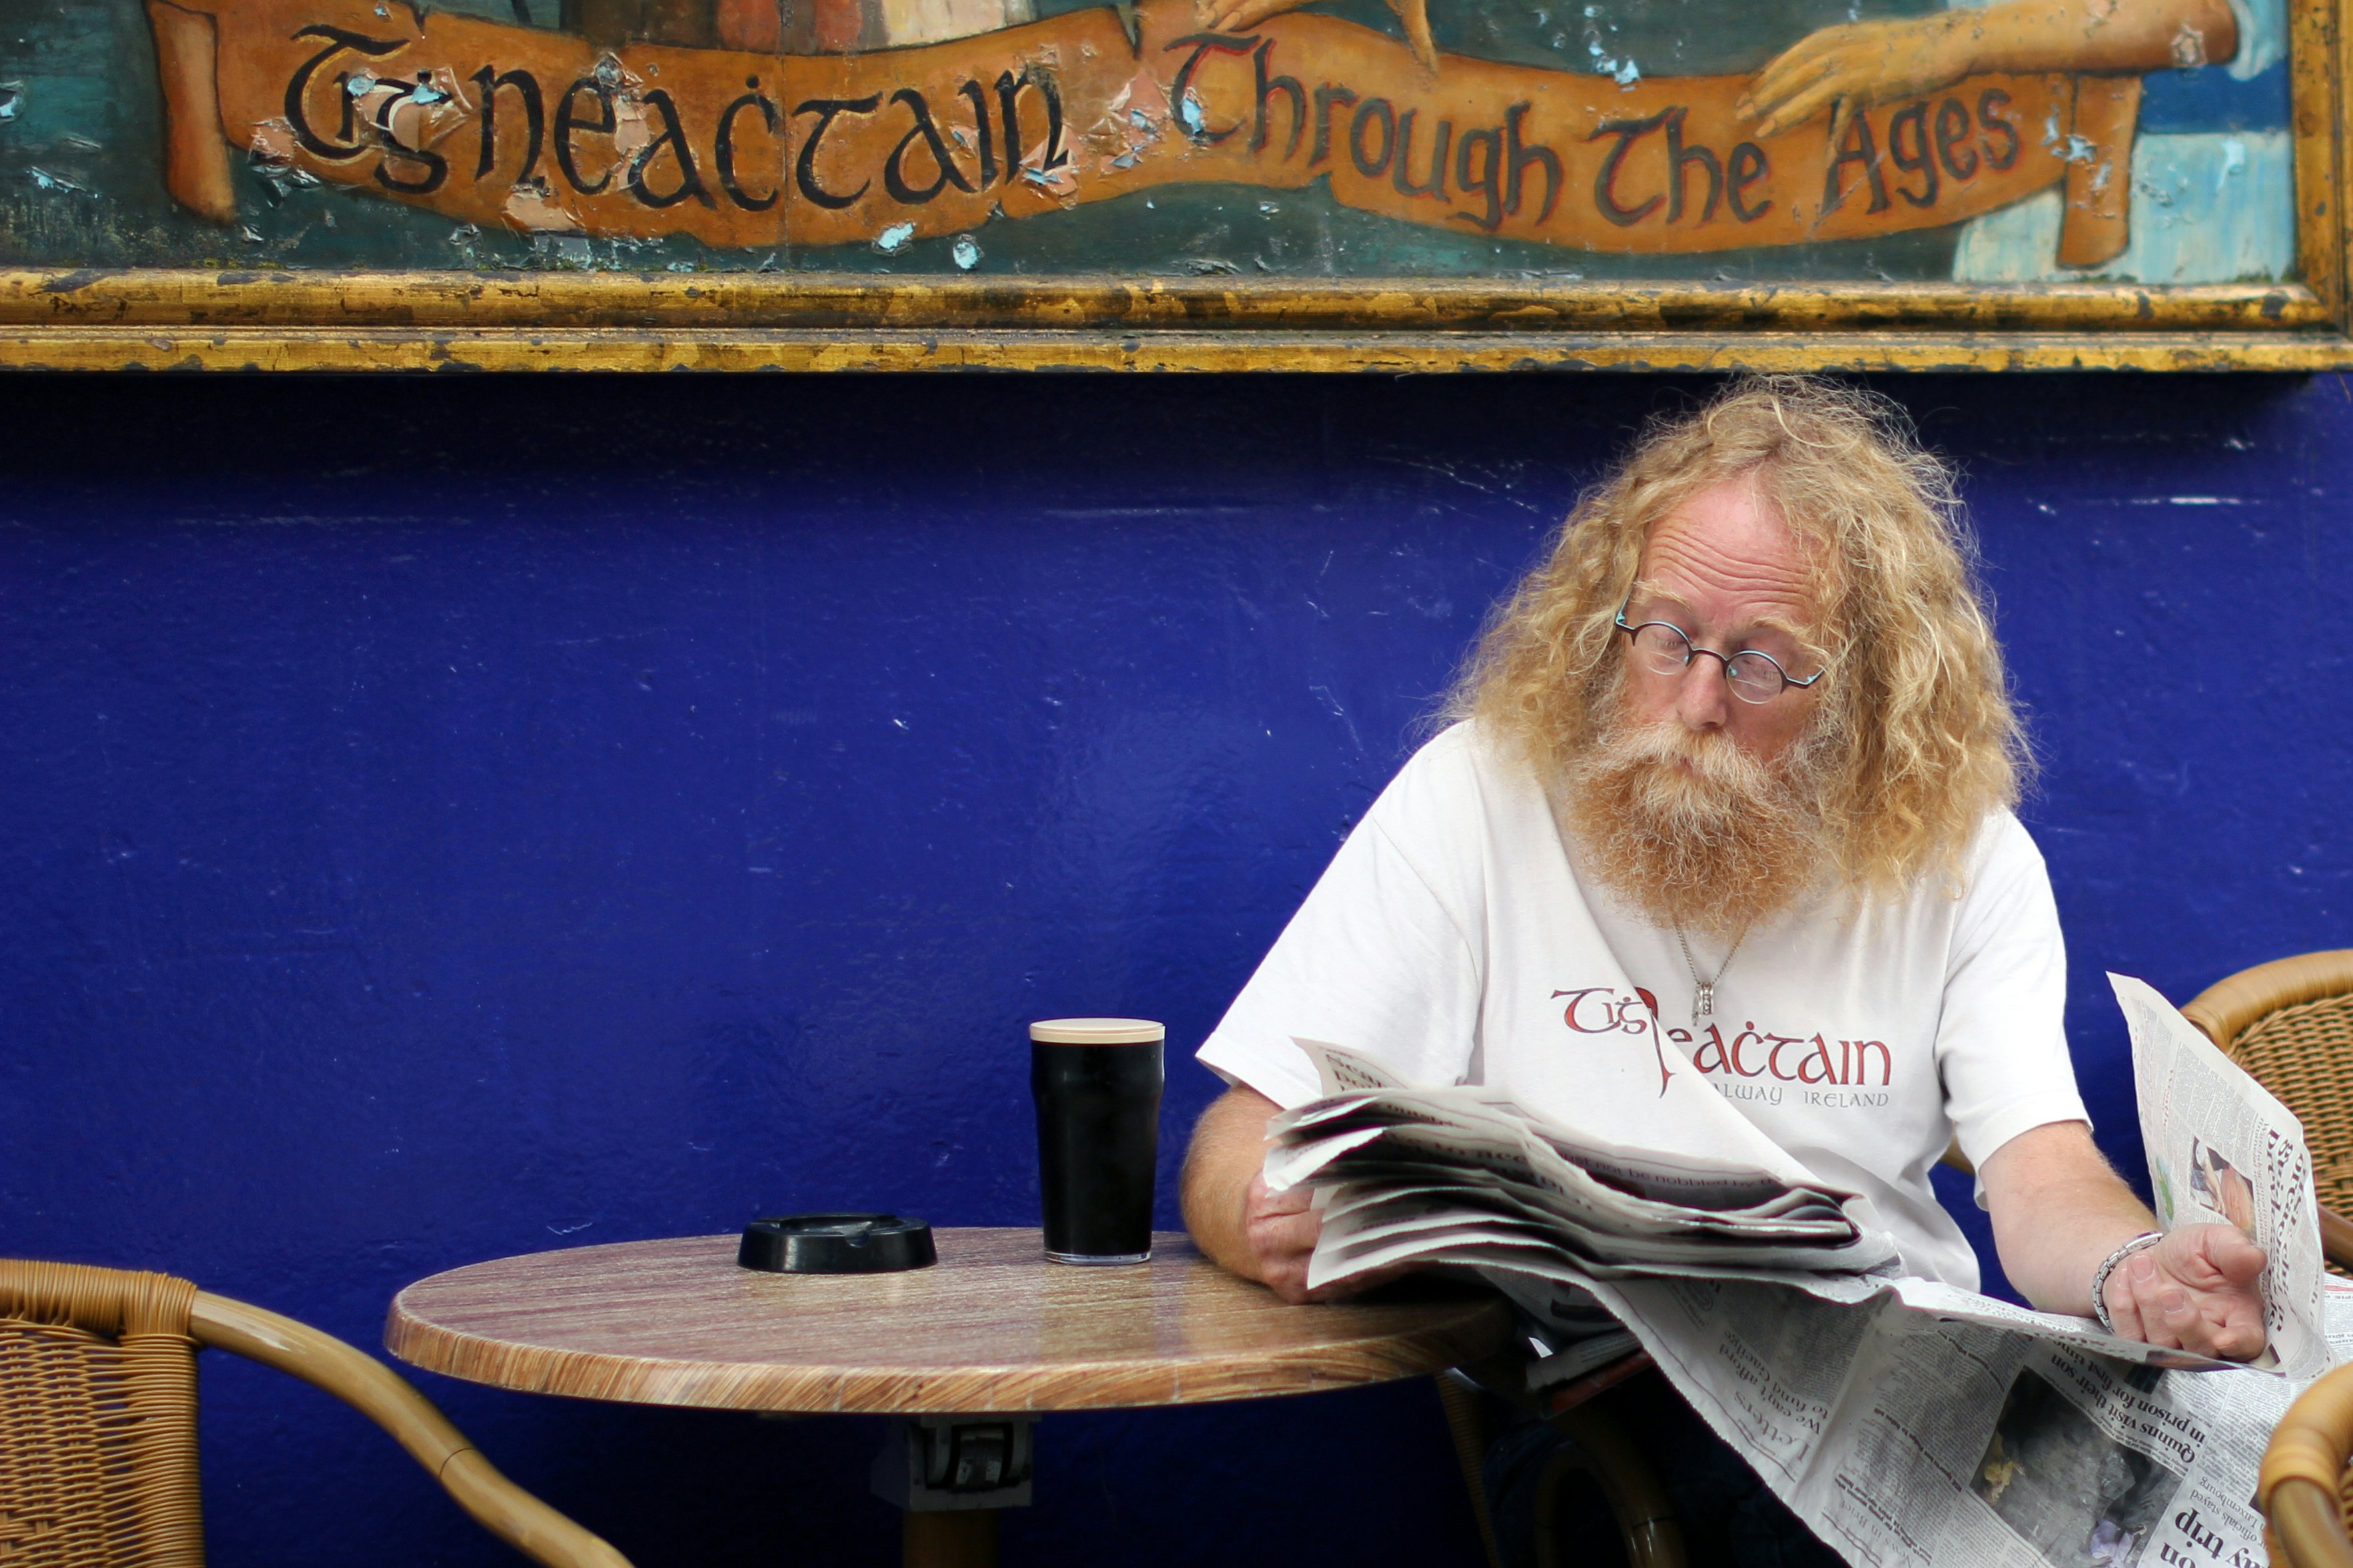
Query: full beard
<point x="1693" y="831"/>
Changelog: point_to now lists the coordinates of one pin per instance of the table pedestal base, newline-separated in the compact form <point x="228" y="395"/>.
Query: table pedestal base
<point x="950" y="1474"/>
<point x="964" y="1539"/>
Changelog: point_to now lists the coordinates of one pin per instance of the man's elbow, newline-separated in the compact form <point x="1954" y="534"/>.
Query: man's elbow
<point x="1227" y="1148"/>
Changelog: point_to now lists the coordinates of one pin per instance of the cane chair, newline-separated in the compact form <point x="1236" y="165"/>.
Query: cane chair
<point x="97" y="1421"/>
<point x="2290" y="1024"/>
<point x="2303" y="1488"/>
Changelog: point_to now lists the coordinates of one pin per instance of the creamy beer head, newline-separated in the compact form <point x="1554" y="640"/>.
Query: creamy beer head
<point x="1097" y="1032"/>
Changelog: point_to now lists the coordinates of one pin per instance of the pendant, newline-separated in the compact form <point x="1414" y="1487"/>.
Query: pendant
<point x="1703" y="1002"/>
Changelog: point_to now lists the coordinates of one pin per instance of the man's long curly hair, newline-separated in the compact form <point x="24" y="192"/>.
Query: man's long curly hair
<point x="1922" y="739"/>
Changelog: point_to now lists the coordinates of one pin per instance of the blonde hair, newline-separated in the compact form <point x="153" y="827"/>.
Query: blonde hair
<point x="1922" y="741"/>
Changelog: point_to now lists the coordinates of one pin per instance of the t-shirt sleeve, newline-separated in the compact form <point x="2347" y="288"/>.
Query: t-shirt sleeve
<point x="2001" y="1041"/>
<point x="1377" y="959"/>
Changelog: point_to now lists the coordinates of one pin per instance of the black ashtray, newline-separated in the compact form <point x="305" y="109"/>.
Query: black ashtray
<point x="836" y="1244"/>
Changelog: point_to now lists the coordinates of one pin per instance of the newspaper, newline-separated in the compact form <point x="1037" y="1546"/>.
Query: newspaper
<point x="1904" y="1438"/>
<point x="1460" y="1176"/>
<point x="1906" y="1421"/>
<point x="2220" y="1147"/>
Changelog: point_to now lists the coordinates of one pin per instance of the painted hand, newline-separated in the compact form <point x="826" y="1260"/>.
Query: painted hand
<point x="2195" y="1290"/>
<point x="1282" y="1231"/>
<point x="1241" y="15"/>
<point x="1858" y="66"/>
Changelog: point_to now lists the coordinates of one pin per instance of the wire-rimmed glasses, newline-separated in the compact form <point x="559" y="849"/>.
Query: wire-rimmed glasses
<point x="1665" y="648"/>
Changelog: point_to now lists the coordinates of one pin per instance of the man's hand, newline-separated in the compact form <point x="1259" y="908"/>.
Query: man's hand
<point x="1281" y="1231"/>
<point x="1262" y="1235"/>
<point x="2195" y="1290"/>
<point x="2058" y="1212"/>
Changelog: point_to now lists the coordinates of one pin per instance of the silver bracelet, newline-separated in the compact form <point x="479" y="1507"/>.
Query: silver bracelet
<point x="2141" y="1243"/>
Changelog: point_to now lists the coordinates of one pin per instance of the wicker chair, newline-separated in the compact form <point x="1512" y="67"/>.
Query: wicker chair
<point x="97" y="1421"/>
<point x="2290" y="1024"/>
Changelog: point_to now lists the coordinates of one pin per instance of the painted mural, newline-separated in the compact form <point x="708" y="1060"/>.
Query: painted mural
<point x="1741" y="140"/>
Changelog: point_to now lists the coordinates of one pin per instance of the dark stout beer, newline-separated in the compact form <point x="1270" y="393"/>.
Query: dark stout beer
<point x="1097" y="1084"/>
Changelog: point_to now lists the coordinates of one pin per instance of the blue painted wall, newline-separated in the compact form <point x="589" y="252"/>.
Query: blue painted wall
<point x="440" y="820"/>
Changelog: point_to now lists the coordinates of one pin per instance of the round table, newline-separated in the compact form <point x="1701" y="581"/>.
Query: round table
<point x="992" y="1328"/>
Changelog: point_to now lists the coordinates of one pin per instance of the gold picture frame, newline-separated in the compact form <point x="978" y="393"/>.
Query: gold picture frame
<point x="272" y="314"/>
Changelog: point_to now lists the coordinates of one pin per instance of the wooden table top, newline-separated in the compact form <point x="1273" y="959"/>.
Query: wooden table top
<point x="991" y="1327"/>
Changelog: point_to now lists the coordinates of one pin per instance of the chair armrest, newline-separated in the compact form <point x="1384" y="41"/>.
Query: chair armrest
<point x="2336" y="1237"/>
<point x="2226" y="1008"/>
<point x="2303" y="1470"/>
<point x="2309" y="1524"/>
<point x="386" y="1398"/>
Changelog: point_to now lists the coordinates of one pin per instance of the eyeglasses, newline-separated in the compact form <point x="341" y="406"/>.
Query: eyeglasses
<point x="1665" y="648"/>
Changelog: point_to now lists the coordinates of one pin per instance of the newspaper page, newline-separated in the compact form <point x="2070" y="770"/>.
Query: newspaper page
<point x="1731" y="1174"/>
<point x="2221" y="1149"/>
<point x="1459" y="1175"/>
<point x="1906" y="1438"/>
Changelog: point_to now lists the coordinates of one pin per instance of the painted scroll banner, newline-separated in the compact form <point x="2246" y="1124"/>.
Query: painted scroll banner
<point x="497" y="124"/>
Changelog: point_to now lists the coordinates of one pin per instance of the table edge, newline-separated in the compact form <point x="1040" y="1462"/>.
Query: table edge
<point x="1476" y="1327"/>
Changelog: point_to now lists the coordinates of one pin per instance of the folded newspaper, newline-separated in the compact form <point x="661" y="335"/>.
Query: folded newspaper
<point x="1904" y="1419"/>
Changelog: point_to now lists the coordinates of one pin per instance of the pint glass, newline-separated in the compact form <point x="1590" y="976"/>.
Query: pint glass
<point x="1097" y="1085"/>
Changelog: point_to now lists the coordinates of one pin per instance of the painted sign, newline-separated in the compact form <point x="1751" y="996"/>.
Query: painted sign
<point x="1187" y="136"/>
<point x="497" y="124"/>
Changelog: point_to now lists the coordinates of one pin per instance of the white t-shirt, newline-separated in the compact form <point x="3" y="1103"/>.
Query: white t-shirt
<point x="1443" y="940"/>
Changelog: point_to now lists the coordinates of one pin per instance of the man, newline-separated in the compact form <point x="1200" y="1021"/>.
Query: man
<point x="1748" y="723"/>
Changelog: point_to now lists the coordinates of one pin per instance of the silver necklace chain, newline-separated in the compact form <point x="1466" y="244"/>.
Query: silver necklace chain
<point x="1704" y="991"/>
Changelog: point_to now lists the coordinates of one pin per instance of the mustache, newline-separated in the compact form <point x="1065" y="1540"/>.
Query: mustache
<point x="1717" y="765"/>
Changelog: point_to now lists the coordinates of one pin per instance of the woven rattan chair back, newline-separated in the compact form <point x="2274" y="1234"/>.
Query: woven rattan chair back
<point x="2290" y="1024"/>
<point x="98" y="1419"/>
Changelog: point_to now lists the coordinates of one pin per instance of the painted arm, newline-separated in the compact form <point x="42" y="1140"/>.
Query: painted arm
<point x="1861" y="65"/>
<point x="1244" y="1229"/>
<point x="2059" y="1210"/>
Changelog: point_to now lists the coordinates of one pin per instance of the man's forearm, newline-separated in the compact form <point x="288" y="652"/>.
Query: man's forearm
<point x="1227" y="1148"/>
<point x="2058" y="1210"/>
